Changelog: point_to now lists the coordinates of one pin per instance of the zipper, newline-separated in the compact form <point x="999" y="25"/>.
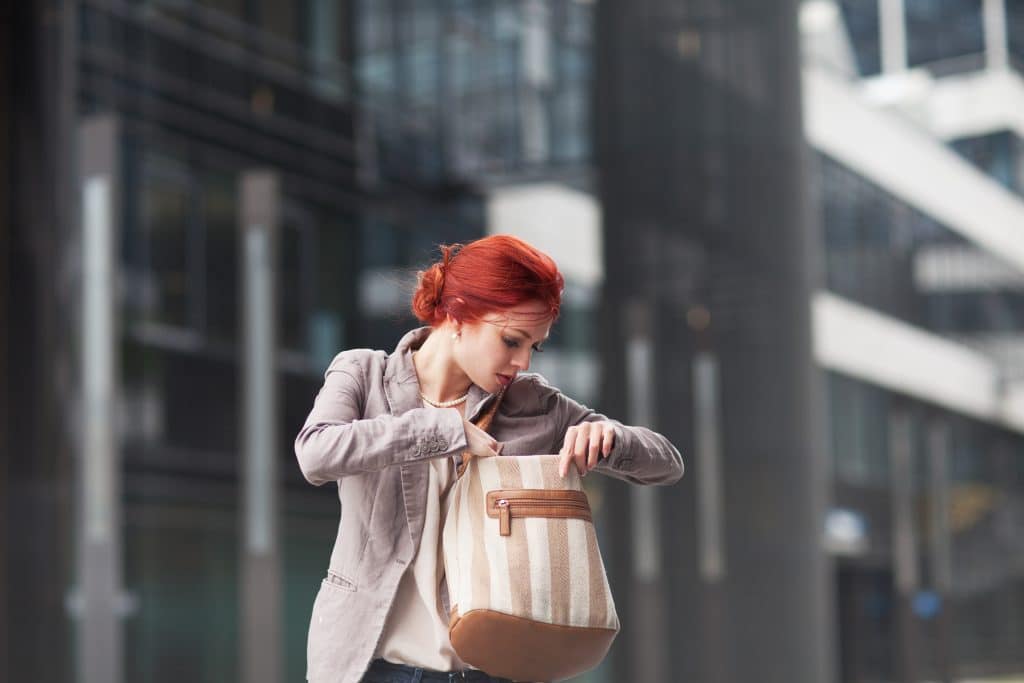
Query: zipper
<point x="522" y="503"/>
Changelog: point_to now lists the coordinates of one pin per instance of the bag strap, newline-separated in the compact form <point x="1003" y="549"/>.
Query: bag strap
<point x="483" y="421"/>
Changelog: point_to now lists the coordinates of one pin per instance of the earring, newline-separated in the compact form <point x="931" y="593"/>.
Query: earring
<point x="456" y="335"/>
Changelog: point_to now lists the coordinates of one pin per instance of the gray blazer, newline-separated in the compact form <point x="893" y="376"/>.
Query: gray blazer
<point x="369" y="433"/>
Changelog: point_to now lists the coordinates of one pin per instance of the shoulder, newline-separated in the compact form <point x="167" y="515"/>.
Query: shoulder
<point x="530" y="394"/>
<point x="359" y="362"/>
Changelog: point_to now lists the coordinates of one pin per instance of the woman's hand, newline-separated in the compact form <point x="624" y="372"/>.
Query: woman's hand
<point x="585" y="444"/>
<point x="479" y="442"/>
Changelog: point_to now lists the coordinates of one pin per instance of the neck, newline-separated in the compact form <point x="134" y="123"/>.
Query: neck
<point x="439" y="375"/>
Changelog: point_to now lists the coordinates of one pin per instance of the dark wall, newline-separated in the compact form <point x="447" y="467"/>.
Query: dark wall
<point x="702" y="182"/>
<point x="6" y="99"/>
<point x="36" y="448"/>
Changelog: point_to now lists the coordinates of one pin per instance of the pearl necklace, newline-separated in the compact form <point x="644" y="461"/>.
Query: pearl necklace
<point x="445" y="404"/>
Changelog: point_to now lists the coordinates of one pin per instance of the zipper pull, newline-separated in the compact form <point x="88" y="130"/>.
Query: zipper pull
<point x="504" y="518"/>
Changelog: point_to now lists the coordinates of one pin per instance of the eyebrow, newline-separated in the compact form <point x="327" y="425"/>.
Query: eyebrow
<point x="516" y="329"/>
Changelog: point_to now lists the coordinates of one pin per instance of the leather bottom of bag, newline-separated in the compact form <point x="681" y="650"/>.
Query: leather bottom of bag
<point x="507" y="646"/>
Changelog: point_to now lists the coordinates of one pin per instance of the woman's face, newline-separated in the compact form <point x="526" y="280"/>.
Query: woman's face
<point x="497" y="347"/>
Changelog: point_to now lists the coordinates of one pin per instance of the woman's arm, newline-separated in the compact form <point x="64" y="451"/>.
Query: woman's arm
<point x="336" y="441"/>
<point x="638" y="455"/>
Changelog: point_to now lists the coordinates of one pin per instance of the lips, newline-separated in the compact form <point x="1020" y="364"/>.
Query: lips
<point x="505" y="380"/>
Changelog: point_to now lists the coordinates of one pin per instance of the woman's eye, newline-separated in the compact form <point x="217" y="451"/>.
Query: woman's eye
<point x="511" y="343"/>
<point x="538" y="348"/>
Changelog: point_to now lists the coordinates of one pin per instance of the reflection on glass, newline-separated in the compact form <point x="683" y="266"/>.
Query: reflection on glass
<point x="220" y="220"/>
<point x="166" y="219"/>
<point x="181" y="566"/>
<point x="1000" y="155"/>
<point x="861" y="20"/>
<point x="296" y="278"/>
<point x="943" y="30"/>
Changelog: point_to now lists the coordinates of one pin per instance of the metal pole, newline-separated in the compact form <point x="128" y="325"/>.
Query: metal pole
<point x="260" y="562"/>
<point x="99" y="598"/>
<point x="710" y="523"/>
<point x="940" y="542"/>
<point x="904" y="549"/>
<point x="648" y="644"/>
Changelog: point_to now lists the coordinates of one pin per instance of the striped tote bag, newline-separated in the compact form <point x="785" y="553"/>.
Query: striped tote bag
<point x="530" y="598"/>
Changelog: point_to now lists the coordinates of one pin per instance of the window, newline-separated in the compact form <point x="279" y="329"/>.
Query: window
<point x="220" y="220"/>
<point x="164" y="265"/>
<point x="861" y="17"/>
<point x="940" y="30"/>
<point x="296" y="277"/>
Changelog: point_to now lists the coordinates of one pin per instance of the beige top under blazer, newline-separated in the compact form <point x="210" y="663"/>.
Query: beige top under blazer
<point x="416" y="630"/>
<point x="369" y="434"/>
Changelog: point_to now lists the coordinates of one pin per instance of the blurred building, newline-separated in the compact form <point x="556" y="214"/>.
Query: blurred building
<point x="209" y="198"/>
<point x="915" y="118"/>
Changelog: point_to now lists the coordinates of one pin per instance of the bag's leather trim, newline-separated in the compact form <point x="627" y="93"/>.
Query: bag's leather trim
<point x="522" y="649"/>
<point x="552" y="503"/>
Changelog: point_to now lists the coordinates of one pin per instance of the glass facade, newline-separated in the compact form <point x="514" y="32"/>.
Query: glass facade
<point x="889" y="256"/>
<point x="1015" y="33"/>
<point x="978" y="619"/>
<point x="1000" y="155"/>
<point x="462" y="90"/>
<point x="945" y="31"/>
<point x="205" y="92"/>
<point x="945" y="36"/>
<point x="861" y="20"/>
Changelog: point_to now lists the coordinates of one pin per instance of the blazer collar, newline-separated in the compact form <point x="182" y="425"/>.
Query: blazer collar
<point x="403" y="387"/>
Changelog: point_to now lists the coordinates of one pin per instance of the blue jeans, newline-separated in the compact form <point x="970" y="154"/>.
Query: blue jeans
<point x="382" y="671"/>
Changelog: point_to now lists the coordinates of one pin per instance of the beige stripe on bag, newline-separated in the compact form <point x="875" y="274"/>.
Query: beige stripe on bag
<point x="537" y="540"/>
<point x="558" y="546"/>
<point x="494" y="543"/>
<point x="478" y="573"/>
<point x="599" y="591"/>
<point x="517" y="544"/>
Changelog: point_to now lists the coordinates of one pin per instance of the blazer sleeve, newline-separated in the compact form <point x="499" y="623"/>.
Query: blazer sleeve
<point x="337" y="441"/>
<point x="639" y="455"/>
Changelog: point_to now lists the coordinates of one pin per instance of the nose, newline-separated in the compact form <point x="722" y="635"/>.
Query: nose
<point x="521" y="361"/>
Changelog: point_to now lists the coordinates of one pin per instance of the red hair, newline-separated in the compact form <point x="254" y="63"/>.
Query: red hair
<point x="487" y="275"/>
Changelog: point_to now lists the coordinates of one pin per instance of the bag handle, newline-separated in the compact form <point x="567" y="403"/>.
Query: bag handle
<point x="484" y="423"/>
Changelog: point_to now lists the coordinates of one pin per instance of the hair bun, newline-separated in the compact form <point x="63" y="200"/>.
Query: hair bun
<point x="426" y="301"/>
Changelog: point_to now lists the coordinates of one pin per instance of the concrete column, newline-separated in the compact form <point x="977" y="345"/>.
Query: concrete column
<point x="261" y="614"/>
<point x="99" y="598"/>
<point x="997" y="46"/>
<point x="705" y="221"/>
<point x="892" y="35"/>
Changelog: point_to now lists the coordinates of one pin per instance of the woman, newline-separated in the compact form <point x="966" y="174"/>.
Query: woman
<point x="388" y="429"/>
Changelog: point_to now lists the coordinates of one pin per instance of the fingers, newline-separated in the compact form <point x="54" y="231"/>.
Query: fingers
<point x="594" y="448"/>
<point x="566" y="452"/>
<point x="585" y="444"/>
<point x="607" y="440"/>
